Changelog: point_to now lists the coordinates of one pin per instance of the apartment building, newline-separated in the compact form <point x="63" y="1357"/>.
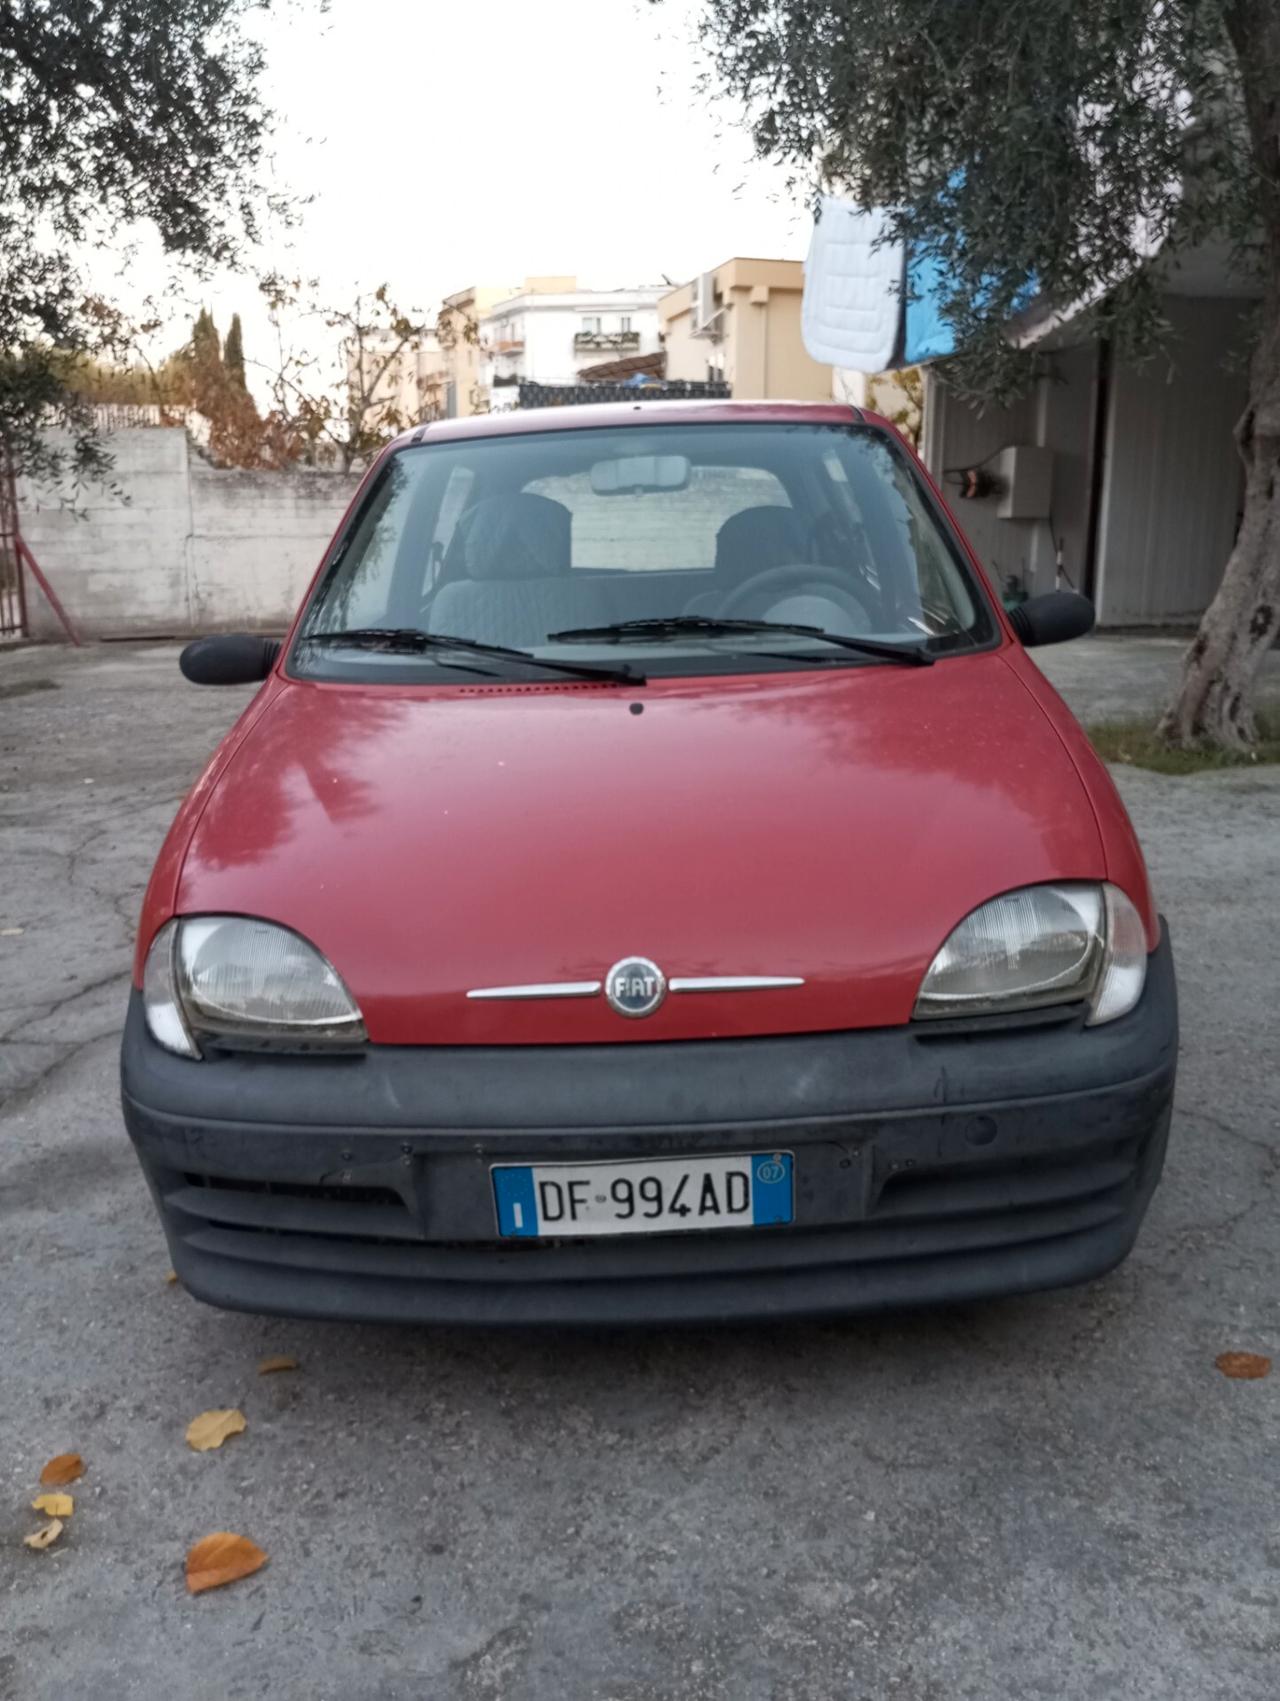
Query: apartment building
<point x="403" y="384"/>
<point x="740" y="324"/>
<point x="550" y="330"/>
<point x="463" y="312"/>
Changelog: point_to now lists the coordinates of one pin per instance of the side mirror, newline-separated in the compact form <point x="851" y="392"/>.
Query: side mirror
<point x="1052" y="618"/>
<point x="236" y="658"/>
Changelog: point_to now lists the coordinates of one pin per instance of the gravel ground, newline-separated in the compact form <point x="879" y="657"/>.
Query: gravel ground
<point x="1057" y="1496"/>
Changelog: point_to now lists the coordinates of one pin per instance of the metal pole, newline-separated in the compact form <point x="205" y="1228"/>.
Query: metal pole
<point x="23" y="553"/>
<point x="48" y="590"/>
<point x="8" y="534"/>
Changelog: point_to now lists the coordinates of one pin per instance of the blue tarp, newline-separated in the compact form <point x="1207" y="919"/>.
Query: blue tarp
<point x="926" y="334"/>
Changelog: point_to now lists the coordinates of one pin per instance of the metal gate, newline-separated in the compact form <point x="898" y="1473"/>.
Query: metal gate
<point x="13" y="595"/>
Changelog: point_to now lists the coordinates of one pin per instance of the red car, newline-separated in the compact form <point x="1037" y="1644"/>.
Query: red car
<point x="652" y="883"/>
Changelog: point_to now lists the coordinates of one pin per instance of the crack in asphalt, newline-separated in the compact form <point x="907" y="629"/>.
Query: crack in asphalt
<point x="20" y="1095"/>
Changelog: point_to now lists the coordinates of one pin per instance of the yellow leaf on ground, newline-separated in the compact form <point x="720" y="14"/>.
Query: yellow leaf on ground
<point x="39" y="1539"/>
<point x="1243" y="1367"/>
<point x="277" y="1361"/>
<point x="222" y="1558"/>
<point x="65" y="1468"/>
<point x="54" y="1505"/>
<point x="172" y="1277"/>
<point x="211" y="1429"/>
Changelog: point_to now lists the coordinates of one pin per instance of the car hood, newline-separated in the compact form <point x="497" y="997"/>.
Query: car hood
<point x="827" y="826"/>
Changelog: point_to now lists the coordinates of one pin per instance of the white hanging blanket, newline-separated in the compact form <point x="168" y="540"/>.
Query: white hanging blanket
<point x="853" y="294"/>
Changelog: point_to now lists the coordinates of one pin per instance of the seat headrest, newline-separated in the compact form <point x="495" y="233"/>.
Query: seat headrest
<point x="517" y="537"/>
<point x="759" y="538"/>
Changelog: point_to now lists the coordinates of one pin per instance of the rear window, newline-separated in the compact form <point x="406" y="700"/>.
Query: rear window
<point x="511" y="540"/>
<point x="672" y="529"/>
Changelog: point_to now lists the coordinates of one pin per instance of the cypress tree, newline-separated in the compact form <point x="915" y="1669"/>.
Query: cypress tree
<point x="233" y="353"/>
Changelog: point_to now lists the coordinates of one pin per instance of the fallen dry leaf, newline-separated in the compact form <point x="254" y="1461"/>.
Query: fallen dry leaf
<point x="1243" y="1367"/>
<point x="222" y="1558"/>
<point x="211" y="1429"/>
<point x="277" y="1361"/>
<point x="54" y="1505"/>
<point x="40" y="1539"/>
<point x="172" y="1277"/>
<point x="65" y="1468"/>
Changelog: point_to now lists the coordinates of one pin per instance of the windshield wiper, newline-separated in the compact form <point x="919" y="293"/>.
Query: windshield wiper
<point x="415" y="642"/>
<point x="707" y="626"/>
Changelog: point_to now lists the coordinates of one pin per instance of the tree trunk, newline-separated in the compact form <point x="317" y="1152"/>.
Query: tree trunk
<point x="1214" y="704"/>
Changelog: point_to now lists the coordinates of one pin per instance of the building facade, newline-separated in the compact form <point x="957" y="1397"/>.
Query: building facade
<point x="466" y="387"/>
<point x="550" y="330"/>
<point x="398" y="384"/>
<point x="740" y="324"/>
<point x="1137" y="488"/>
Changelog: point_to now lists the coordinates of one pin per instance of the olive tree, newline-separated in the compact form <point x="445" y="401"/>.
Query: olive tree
<point x="1051" y="145"/>
<point x="115" y="115"/>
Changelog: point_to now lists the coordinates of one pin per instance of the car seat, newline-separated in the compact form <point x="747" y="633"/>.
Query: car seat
<point x="516" y="554"/>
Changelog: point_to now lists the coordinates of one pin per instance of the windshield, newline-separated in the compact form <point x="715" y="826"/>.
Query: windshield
<point x="628" y="545"/>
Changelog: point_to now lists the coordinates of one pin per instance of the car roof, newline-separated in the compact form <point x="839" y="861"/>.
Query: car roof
<point x="613" y="414"/>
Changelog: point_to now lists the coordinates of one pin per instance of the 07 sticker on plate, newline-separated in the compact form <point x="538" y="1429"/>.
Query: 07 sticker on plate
<point x="644" y="1195"/>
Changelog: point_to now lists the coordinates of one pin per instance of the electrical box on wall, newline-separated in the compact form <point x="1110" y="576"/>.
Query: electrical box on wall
<point x="1026" y="478"/>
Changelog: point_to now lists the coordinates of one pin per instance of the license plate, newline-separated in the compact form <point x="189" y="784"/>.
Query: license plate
<point x="643" y="1196"/>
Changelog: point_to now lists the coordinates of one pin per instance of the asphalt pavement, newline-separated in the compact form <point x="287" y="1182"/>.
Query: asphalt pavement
<point x="1049" y="1497"/>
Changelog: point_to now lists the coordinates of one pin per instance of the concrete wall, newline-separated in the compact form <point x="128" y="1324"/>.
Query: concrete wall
<point x="193" y="549"/>
<point x="959" y="436"/>
<point x="1064" y="417"/>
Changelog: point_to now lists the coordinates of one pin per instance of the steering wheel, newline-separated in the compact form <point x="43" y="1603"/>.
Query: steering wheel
<point x="777" y="581"/>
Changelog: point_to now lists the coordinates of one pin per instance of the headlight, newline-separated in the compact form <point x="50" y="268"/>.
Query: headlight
<point x="244" y="983"/>
<point x="1040" y="946"/>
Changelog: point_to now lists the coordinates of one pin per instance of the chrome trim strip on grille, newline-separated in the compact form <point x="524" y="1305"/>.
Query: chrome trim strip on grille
<point x="731" y="983"/>
<point x="686" y="983"/>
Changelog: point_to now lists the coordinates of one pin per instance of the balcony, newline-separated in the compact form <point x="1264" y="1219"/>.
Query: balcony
<point x="612" y="342"/>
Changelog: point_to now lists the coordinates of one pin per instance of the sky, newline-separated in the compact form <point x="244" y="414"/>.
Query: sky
<point x="446" y="144"/>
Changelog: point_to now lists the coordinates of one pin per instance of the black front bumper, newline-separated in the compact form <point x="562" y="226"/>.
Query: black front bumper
<point x="930" y="1166"/>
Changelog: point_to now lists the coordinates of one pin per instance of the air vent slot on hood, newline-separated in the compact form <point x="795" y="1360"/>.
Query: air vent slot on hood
<point x="549" y="685"/>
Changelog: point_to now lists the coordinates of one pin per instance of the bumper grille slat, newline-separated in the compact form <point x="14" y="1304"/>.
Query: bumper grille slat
<point x="297" y="1210"/>
<point x="658" y="1255"/>
<point x="958" y="1192"/>
<point x="935" y="1211"/>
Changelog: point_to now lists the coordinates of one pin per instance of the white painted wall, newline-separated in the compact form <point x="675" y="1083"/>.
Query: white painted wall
<point x="192" y="549"/>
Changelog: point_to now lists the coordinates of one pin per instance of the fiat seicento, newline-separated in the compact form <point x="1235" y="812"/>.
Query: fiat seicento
<point x="652" y="883"/>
